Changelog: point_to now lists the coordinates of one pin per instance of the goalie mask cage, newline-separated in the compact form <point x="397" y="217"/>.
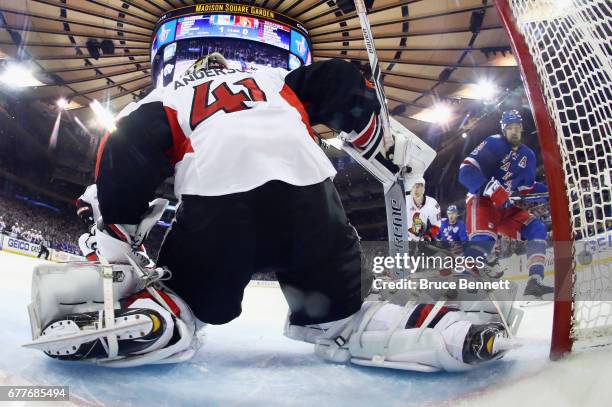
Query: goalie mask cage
<point x="564" y="54"/>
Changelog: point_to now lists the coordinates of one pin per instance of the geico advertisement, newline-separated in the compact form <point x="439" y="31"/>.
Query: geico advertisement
<point x="19" y="246"/>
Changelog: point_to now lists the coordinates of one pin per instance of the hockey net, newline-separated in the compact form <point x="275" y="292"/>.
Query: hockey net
<point x="564" y="52"/>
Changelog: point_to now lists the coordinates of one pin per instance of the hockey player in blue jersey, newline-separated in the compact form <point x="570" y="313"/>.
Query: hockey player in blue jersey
<point x="497" y="168"/>
<point x="453" y="231"/>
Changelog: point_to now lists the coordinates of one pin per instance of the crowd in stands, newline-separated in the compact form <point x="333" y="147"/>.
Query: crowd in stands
<point x="592" y="212"/>
<point x="363" y="200"/>
<point x="37" y="224"/>
<point x="246" y="52"/>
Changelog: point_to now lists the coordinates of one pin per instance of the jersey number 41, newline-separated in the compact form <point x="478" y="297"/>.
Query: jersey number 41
<point x="225" y="99"/>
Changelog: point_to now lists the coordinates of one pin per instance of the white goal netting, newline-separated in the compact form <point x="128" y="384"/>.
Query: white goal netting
<point x="570" y="45"/>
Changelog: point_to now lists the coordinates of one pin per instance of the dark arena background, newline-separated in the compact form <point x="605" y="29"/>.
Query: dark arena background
<point x="448" y="69"/>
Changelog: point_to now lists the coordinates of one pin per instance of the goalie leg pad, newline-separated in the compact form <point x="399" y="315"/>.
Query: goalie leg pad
<point x="61" y="291"/>
<point x="384" y="335"/>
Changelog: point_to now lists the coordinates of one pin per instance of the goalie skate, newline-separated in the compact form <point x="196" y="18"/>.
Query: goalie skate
<point x="83" y="336"/>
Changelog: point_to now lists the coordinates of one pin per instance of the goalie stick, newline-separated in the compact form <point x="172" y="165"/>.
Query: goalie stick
<point x="368" y="39"/>
<point x="395" y="200"/>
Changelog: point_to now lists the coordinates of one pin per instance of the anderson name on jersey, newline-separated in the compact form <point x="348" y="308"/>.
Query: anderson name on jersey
<point x="424" y="220"/>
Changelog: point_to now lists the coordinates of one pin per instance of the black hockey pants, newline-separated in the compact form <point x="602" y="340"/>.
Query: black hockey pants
<point x="302" y="233"/>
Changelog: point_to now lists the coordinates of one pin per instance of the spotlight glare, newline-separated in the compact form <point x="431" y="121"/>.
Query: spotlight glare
<point x="103" y="116"/>
<point x="18" y="76"/>
<point x="463" y="135"/>
<point x="441" y="113"/>
<point x="486" y="90"/>
<point x="62" y="103"/>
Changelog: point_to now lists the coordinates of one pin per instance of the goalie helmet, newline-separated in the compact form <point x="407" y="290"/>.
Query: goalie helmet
<point x="211" y="61"/>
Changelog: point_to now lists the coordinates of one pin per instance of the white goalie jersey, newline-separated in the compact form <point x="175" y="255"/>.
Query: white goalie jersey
<point x="220" y="120"/>
<point x="423" y="220"/>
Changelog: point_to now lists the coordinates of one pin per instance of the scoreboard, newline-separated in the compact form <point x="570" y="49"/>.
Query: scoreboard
<point x="200" y="24"/>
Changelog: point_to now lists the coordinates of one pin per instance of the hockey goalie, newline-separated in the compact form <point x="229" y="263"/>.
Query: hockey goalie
<point x="255" y="192"/>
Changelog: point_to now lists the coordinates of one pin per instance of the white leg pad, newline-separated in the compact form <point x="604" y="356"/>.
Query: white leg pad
<point x="376" y="336"/>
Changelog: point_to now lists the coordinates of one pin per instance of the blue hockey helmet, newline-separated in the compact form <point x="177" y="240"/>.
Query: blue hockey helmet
<point x="451" y="209"/>
<point x="510" y="116"/>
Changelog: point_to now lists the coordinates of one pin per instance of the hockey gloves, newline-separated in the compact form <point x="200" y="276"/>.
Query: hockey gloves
<point x="498" y="194"/>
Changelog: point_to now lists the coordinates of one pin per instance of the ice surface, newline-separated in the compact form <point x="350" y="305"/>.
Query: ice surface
<point x="249" y="363"/>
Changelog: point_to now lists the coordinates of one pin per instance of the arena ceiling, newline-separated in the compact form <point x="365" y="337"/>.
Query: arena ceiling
<point x="432" y="52"/>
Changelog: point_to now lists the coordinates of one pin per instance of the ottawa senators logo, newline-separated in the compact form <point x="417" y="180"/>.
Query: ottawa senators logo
<point x="417" y="224"/>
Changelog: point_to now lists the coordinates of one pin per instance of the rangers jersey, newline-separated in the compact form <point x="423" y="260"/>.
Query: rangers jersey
<point x="455" y="232"/>
<point x="494" y="157"/>
<point x="423" y="220"/>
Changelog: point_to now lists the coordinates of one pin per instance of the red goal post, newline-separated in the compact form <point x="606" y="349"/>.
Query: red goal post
<point x="563" y="52"/>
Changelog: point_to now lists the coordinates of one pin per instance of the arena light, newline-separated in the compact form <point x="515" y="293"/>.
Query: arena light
<point x="62" y="103"/>
<point x="441" y="113"/>
<point x="464" y="135"/>
<point x="103" y="116"/>
<point x="18" y="76"/>
<point x="82" y="125"/>
<point x="485" y="90"/>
